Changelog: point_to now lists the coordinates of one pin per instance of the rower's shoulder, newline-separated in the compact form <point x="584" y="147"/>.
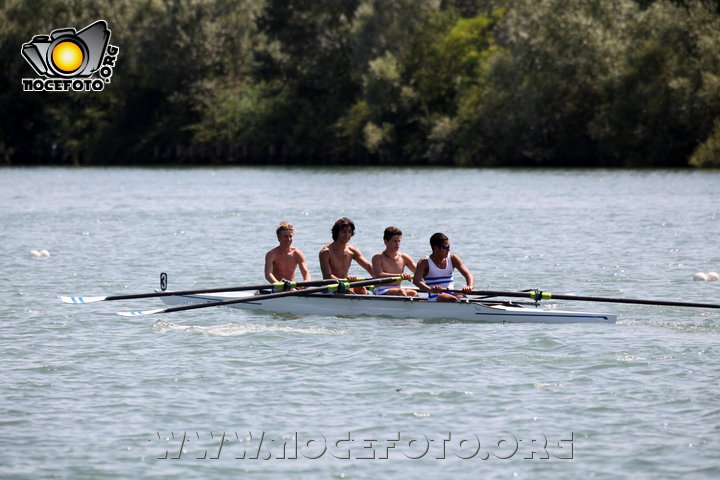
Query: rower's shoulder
<point x="455" y="260"/>
<point x="406" y="256"/>
<point x="377" y="256"/>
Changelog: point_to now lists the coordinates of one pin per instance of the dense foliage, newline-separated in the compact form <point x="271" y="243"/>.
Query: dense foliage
<point x="612" y="83"/>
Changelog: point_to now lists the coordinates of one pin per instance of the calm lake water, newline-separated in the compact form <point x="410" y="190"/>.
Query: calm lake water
<point x="221" y="393"/>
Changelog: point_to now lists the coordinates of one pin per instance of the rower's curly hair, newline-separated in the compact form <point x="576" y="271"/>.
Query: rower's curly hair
<point x="340" y="224"/>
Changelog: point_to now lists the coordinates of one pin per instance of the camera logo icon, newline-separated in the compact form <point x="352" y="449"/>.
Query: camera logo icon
<point x="67" y="54"/>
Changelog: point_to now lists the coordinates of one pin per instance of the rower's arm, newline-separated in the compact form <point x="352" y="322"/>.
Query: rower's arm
<point x="325" y="267"/>
<point x="469" y="279"/>
<point x="363" y="262"/>
<point x="410" y="263"/>
<point x="302" y="265"/>
<point x="419" y="278"/>
<point x="269" y="268"/>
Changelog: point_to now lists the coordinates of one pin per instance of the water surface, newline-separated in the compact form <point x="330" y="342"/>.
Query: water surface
<point x="88" y="394"/>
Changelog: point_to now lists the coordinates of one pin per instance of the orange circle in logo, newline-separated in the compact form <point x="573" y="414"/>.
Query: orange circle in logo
<point x="67" y="56"/>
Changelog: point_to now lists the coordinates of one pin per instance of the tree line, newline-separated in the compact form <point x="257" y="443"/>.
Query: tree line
<point x="483" y="83"/>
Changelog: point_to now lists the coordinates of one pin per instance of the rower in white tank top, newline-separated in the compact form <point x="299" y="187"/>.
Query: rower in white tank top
<point x="439" y="276"/>
<point x="435" y="280"/>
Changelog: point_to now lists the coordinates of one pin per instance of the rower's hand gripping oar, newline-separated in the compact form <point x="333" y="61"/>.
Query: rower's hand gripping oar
<point x="538" y="295"/>
<point x="286" y="285"/>
<point x="338" y="286"/>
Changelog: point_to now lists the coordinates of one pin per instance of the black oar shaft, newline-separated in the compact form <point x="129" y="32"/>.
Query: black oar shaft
<point x="538" y="295"/>
<point x="666" y="303"/>
<point x="268" y="296"/>
<point x="277" y="285"/>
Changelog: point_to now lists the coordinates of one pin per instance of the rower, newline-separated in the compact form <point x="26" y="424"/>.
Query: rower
<point x="281" y="261"/>
<point x="336" y="257"/>
<point x="434" y="273"/>
<point x="391" y="263"/>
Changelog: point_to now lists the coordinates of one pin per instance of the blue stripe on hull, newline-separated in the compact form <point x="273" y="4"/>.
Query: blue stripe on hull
<point x="552" y="315"/>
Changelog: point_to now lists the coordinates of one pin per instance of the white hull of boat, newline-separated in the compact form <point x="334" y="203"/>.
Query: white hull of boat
<point x="398" y="307"/>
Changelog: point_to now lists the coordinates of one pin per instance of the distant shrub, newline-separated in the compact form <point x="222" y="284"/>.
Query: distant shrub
<point x="707" y="155"/>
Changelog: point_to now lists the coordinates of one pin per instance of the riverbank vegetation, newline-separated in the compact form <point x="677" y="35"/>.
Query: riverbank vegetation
<point x="597" y="83"/>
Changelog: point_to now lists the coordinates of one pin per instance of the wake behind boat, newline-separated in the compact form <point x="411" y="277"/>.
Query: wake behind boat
<point x="351" y="305"/>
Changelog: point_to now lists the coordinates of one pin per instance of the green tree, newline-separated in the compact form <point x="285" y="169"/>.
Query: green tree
<point x="542" y="90"/>
<point x="308" y="63"/>
<point x="707" y="155"/>
<point x="38" y="126"/>
<point x="379" y="125"/>
<point x="665" y="94"/>
<point x="465" y="82"/>
<point x="453" y="83"/>
<point x="172" y="49"/>
<point x="410" y="95"/>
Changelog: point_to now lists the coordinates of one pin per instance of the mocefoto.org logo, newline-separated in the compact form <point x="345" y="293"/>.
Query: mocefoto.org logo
<point x="68" y="59"/>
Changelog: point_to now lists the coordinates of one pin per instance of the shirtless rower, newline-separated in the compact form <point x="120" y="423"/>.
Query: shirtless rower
<point x="336" y="257"/>
<point x="434" y="273"/>
<point x="281" y="261"/>
<point x="391" y="263"/>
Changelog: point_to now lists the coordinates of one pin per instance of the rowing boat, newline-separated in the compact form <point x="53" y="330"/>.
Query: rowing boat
<point x="322" y="297"/>
<point x="351" y="305"/>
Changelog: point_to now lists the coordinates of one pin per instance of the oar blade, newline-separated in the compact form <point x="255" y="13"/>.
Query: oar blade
<point x="77" y="300"/>
<point x="142" y="313"/>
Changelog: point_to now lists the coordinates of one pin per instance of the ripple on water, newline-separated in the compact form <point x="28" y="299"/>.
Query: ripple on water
<point x="236" y="329"/>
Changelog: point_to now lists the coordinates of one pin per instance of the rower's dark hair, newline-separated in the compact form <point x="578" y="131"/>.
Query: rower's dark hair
<point x="438" y="240"/>
<point x="340" y="224"/>
<point x="391" y="232"/>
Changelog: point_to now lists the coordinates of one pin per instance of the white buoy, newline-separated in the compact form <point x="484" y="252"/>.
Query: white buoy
<point x="713" y="277"/>
<point x="700" y="277"/>
<point x="44" y="253"/>
<point x="39" y="253"/>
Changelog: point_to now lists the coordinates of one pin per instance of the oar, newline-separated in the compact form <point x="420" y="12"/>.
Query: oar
<point x="538" y="295"/>
<point x="276" y="286"/>
<point x="338" y="286"/>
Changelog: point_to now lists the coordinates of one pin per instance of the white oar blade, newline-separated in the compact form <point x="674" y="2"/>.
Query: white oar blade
<point x="81" y="299"/>
<point x="138" y="314"/>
